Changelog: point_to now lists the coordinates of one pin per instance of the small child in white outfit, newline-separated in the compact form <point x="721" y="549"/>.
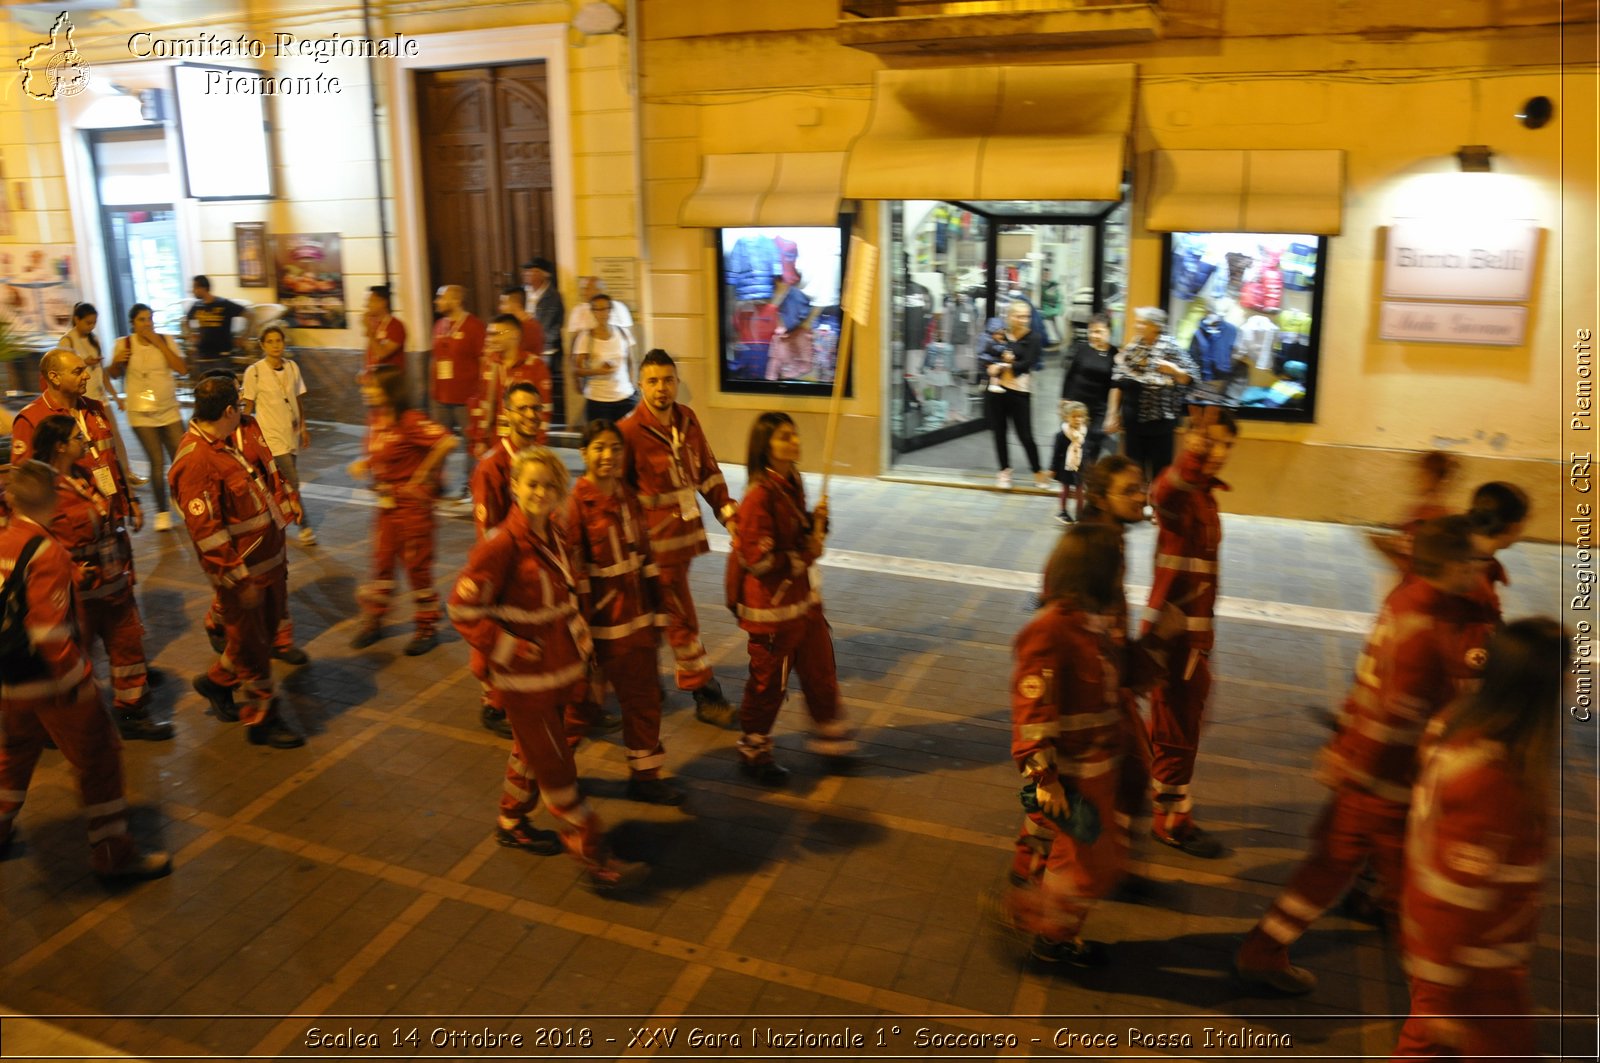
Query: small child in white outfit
<point x="1067" y="456"/>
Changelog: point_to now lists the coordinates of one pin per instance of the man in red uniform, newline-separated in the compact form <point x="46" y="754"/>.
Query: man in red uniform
<point x="1426" y="650"/>
<point x="66" y="378"/>
<point x="505" y="363"/>
<point x="671" y="462"/>
<point x="237" y="528"/>
<point x="1186" y="567"/>
<point x="49" y="691"/>
<point x="457" y="346"/>
<point x="514" y="301"/>
<point x="386" y="336"/>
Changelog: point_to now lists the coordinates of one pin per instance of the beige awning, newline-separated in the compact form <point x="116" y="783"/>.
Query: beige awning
<point x="766" y="188"/>
<point x="1005" y="132"/>
<point x="1250" y="191"/>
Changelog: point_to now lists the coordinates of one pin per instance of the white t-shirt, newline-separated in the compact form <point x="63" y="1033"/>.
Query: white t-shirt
<point x="275" y="393"/>
<point x="150" y="387"/>
<point x="613" y="353"/>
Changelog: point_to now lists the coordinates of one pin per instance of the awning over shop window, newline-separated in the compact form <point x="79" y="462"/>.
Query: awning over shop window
<point x="791" y="188"/>
<point x="1251" y="191"/>
<point x="1007" y="132"/>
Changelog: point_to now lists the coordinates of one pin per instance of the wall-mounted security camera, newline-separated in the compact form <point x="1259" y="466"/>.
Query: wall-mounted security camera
<point x="1536" y="112"/>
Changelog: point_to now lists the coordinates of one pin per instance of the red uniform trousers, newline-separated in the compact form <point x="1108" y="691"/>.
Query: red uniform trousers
<point x="683" y="628"/>
<point x="632" y="674"/>
<point x="1177" y="705"/>
<point x="405" y="538"/>
<point x="246" y="661"/>
<point x="282" y="639"/>
<point x="114" y="620"/>
<point x="541" y="766"/>
<point x="1510" y="1033"/>
<point x="1355" y="827"/>
<point x="83" y="732"/>
<point x="806" y="645"/>
<point x="1056" y="905"/>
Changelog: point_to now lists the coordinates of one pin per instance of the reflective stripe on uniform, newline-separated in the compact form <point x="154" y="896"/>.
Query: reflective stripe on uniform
<point x="1440" y="888"/>
<point x="1035" y="732"/>
<point x="668" y="498"/>
<point x="1495" y="956"/>
<point x="1428" y="971"/>
<point x="622" y="568"/>
<point x="1177" y="563"/>
<point x="618" y="631"/>
<point x="526" y="682"/>
<point x="678" y="542"/>
<point x="781" y="613"/>
<point x="512" y="614"/>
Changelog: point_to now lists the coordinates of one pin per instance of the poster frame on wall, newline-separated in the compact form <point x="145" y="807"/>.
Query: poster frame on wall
<point x="309" y="276"/>
<point x="250" y="249"/>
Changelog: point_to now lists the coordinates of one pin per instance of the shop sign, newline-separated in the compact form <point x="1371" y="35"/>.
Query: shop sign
<point x="621" y="277"/>
<point x="1494" y="326"/>
<point x="1460" y="259"/>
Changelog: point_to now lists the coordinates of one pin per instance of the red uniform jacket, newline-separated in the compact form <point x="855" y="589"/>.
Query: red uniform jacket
<point x="52" y="620"/>
<point x="516" y="603"/>
<point x="228" y="507"/>
<point x="496" y="379"/>
<point x="618" y="582"/>
<point x="396" y="451"/>
<point x="771" y="576"/>
<point x="533" y="338"/>
<point x="392" y="330"/>
<point x="491" y="488"/>
<point x="1475" y="855"/>
<point x="1067" y="715"/>
<point x="99" y="463"/>
<point x="1187" y="545"/>
<point x="85" y="529"/>
<point x="457" y="346"/>
<point x="251" y="442"/>
<point x="670" y="466"/>
<point x="1426" y="650"/>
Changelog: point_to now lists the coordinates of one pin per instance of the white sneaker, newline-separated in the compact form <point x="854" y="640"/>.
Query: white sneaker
<point x="163" y="521"/>
<point x="308" y="537"/>
<point x="1003" y="481"/>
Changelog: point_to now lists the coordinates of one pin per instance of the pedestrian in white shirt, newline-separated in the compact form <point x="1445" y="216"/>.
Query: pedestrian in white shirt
<point x="272" y="393"/>
<point x="603" y="364"/>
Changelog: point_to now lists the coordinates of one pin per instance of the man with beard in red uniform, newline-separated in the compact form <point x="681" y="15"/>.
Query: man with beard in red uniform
<point x="671" y="463"/>
<point x="457" y="347"/>
<point x="48" y="691"/>
<point x="505" y="363"/>
<point x="237" y="530"/>
<point x="1426" y="650"/>
<point x="65" y="379"/>
<point x="1187" y="552"/>
<point x="83" y="526"/>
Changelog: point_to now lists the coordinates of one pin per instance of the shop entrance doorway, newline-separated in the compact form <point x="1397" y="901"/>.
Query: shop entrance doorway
<point x="957" y="267"/>
<point x="135" y="190"/>
<point x="487" y="190"/>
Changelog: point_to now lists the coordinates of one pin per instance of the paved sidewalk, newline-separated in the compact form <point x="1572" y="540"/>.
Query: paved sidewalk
<point x="358" y="876"/>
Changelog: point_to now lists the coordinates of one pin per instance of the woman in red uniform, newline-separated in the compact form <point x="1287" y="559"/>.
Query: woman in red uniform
<point x="404" y="452"/>
<point x="1476" y="844"/>
<point x="1069" y="738"/>
<point x="774" y="590"/>
<point x="516" y="603"/>
<point x="619" y="588"/>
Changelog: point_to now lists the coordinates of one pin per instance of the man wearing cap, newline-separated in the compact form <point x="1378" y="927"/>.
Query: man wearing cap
<point x="544" y="302"/>
<point x="1150" y="379"/>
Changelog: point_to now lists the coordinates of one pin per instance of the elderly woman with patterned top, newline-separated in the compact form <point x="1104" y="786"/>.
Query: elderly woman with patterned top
<point x="1152" y="377"/>
<point x="775" y="593"/>
<point x="517" y="602"/>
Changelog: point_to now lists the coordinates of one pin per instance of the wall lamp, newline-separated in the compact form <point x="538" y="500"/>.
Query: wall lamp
<point x="1474" y="158"/>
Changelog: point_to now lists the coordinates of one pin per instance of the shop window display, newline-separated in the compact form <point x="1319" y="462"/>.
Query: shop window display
<point x="781" y="314"/>
<point x="1246" y="306"/>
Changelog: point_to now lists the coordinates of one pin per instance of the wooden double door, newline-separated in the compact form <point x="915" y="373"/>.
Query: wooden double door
<point x="486" y="176"/>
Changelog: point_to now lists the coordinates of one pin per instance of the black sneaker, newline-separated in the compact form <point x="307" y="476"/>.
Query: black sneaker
<point x="293" y="655"/>
<point x="221" y="698"/>
<point x="275" y="733"/>
<point x="711" y="707"/>
<point x="421" y="643"/>
<point x="1076" y="953"/>
<point x="1194" y="842"/>
<point x="767" y="772"/>
<point x="1287" y="980"/>
<point x="368" y="635"/>
<point x="614" y="876"/>
<point x="494" y="720"/>
<point x="135" y="725"/>
<point x="1064" y="519"/>
<point x="218" y="640"/>
<point x="529" y="838"/>
<point x="140" y="867"/>
<point x="606" y="723"/>
<point x="656" y="791"/>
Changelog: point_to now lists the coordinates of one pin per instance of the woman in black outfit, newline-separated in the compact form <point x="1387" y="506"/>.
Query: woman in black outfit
<point x="1010" y="359"/>
<point x="1088" y="380"/>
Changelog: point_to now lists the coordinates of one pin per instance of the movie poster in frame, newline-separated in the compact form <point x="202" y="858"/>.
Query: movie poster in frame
<point x="250" y="245"/>
<point x="310" y="279"/>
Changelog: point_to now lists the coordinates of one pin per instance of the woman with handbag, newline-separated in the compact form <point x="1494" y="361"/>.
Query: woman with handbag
<point x="151" y="364"/>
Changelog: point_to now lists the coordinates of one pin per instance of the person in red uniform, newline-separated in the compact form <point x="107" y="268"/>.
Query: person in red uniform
<point x="514" y="301"/>
<point x="1476" y="853"/>
<point x="1426" y="649"/>
<point x="670" y="463"/>
<point x="84" y="527"/>
<point x="65" y="379"/>
<point x="386" y="335"/>
<point x="1186" y="567"/>
<point x="504" y="364"/>
<point x="404" y="453"/>
<point x="1499" y="513"/>
<point x="618" y="591"/>
<point x="50" y="692"/>
<point x="1069" y="740"/>
<point x="776" y="596"/>
<point x="1434" y="469"/>
<point x="237" y="528"/>
<point x="516" y="602"/>
<point x="457" y="348"/>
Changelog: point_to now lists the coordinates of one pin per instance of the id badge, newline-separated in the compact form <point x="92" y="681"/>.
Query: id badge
<point x="446" y="370"/>
<point x="103" y="481"/>
<point x="581" y="636"/>
<point x="689" y="506"/>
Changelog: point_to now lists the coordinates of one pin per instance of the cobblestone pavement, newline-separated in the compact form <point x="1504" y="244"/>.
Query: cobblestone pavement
<point x="358" y="876"/>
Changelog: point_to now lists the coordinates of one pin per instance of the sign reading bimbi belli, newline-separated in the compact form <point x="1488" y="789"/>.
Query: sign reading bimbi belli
<point x="1473" y="259"/>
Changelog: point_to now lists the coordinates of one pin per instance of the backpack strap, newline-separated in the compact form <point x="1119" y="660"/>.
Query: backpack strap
<point x="23" y="559"/>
